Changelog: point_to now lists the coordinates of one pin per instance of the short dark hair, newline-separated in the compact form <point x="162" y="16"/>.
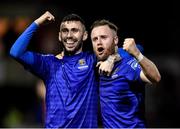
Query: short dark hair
<point x="73" y="17"/>
<point x="104" y="22"/>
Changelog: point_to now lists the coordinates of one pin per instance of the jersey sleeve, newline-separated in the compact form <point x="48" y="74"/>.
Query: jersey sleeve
<point x="28" y="59"/>
<point x="19" y="48"/>
<point x="125" y="54"/>
<point x="134" y="70"/>
<point x="40" y="66"/>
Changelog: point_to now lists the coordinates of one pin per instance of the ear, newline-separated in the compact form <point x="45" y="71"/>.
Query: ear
<point x="60" y="36"/>
<point x="116" y="40"/>
<point x="85" y="35"/>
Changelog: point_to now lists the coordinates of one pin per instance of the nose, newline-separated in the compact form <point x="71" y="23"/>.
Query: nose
<point x="99" y="42"/>
<point x="69" y="34"/>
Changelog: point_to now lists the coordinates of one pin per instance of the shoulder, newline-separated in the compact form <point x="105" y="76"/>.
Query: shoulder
<point x="132" y="64"/>
<point x="47" y="55"/>
<point x="128" y="63"/>
<point x="40" y="56"/>
<point x="89" y="54"/>
<point x="60" y="55"/>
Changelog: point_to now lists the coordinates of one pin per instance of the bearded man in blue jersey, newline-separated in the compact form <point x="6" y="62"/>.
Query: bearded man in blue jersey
<point x="122" y="93"/>
<point x="71" y="84"/>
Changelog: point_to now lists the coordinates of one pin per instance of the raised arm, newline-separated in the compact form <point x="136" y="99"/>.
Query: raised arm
<point x="149" y="71"/>
<point x="19" y="48"/>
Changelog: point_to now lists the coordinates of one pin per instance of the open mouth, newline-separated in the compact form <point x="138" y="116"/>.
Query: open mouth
<point x="100" y="50"/>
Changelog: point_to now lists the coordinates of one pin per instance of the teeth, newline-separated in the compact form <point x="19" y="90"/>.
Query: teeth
<point x="70" y="42"/>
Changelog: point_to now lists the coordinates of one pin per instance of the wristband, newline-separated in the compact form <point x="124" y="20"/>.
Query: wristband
<point x="140" y="57"/>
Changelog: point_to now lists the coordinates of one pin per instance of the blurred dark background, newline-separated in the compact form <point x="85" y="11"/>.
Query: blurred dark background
<point x="155" y="25"/>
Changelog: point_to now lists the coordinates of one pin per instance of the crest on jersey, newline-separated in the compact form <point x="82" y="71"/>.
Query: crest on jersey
<point x="82" y="64"/>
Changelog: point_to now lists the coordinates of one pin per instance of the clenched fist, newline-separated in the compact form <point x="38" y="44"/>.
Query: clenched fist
<point x="47" y="17"/>
<point x="130" y="46"/>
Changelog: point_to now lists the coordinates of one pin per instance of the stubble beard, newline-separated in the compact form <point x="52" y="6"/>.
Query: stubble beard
<point x="105" y="55"/>
<point x="75" y="50"/>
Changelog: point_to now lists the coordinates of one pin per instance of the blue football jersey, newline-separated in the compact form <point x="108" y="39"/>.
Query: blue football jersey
<point x="71" y="89"/>
<point x="71" y="84"/>
<point x="122" y="96"/>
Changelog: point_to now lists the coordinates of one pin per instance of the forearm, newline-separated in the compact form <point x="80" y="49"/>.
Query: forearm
<point x="114" y="58"/>
<point x="149" y="69"/>
<point x="21" y="44"/>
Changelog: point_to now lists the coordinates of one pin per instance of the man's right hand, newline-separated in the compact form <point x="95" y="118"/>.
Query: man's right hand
<point x="47" y="17"/>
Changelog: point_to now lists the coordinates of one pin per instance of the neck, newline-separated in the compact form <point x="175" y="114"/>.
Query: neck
<point x="68" y="53"/>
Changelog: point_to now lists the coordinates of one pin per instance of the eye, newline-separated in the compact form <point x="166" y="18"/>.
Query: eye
<point x="94" y="39"/>
<point x="103" y="37"/>
<point x="64" y="30"/>
<point x="75" y="30"/>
